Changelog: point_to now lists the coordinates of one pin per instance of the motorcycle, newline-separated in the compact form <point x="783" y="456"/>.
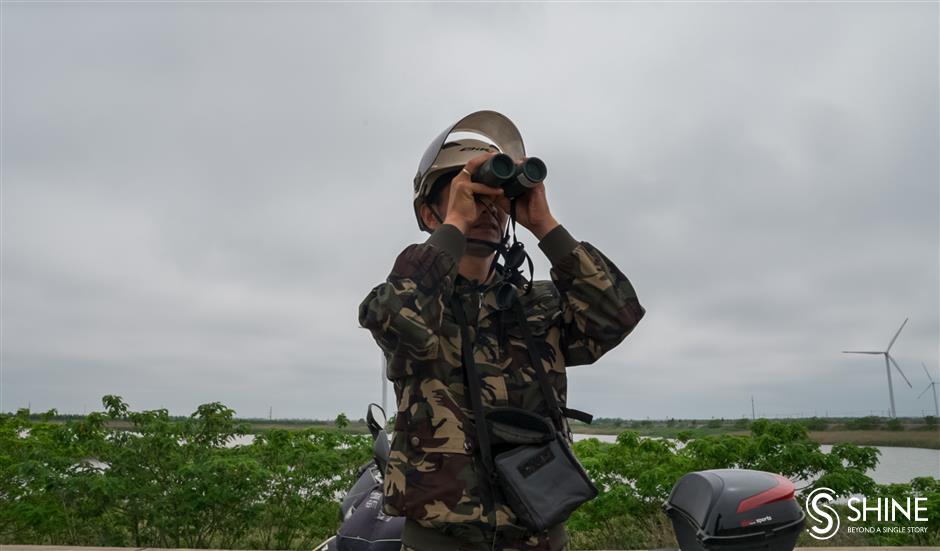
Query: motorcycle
<point x="364" y="527"/>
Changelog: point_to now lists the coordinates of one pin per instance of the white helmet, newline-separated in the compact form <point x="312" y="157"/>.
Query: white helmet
<point x="443" y="156"/>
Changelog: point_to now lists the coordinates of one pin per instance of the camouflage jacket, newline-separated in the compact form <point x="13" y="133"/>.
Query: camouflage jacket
<point x="587" y="309"/>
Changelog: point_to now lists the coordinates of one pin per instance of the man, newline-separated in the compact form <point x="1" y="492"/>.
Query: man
<point x="434" y="476"/>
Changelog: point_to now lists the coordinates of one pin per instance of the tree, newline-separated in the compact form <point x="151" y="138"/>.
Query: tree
<point x="342" y="421"/>
<point x="171" y="482"/>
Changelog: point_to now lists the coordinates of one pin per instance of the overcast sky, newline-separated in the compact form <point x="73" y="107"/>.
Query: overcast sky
<point x="196" y="197"/>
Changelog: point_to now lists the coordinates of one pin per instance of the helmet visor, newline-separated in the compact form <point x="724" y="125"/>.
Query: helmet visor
<point x="495" y="126"/>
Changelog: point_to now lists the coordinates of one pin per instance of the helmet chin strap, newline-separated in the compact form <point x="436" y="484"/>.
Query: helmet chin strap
<point x="495" y="245"/>
<point x="513" y="257"/>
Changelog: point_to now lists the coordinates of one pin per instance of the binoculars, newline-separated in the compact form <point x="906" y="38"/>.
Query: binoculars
<point x="500" y="171"/>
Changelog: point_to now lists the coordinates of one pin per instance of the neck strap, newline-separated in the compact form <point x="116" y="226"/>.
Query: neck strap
<point x="473" y="378"/>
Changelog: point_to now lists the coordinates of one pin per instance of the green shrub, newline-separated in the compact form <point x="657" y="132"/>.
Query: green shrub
<point x="925" y="487"/>
<point x="170" y="482"/>
<point x="815" y="423"/>
<point x="870" y="422"/>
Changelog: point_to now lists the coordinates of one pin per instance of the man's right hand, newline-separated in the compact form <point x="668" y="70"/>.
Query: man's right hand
<point x="462" y="205"/>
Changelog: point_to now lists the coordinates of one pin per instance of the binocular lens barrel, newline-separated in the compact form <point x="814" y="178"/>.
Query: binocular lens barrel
<point x="534" y="170"/>
<point x="500" y="171"/>
<point x="496" y="170"/>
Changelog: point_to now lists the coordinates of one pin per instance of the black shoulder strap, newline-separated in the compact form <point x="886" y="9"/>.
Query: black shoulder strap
<point x="476" y="402"/>
<point x="582" y="416"/>
<point x="553" y="408"/>
<point x="547" y="391"/>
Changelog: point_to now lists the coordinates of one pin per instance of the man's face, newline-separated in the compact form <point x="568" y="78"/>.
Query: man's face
<point x="488" y="225"/>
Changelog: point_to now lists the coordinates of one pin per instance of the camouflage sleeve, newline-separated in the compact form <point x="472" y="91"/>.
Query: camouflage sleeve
<point x="404" y="313"/>
<point x="598" y="303"/>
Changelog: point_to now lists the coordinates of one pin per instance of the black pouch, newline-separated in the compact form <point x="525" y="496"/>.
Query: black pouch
<point x="525" y="454"/>
<point x="539" y="475"/>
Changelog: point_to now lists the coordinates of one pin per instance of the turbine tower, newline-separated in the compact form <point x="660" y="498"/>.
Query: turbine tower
<point x="932" y="385"/>
<point x="888" y="358"/>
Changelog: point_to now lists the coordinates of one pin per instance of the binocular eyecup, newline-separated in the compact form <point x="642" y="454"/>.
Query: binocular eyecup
<point x="500" y="171"/>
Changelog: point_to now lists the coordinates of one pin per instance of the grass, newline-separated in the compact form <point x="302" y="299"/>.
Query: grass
<point x="907" y="438"/>
<point x="659" y="431"/>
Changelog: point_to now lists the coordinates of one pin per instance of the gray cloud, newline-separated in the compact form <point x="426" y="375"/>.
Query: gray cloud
<point x="197" y="196"/>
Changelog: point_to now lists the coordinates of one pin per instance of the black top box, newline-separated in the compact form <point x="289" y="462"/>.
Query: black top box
<point x="734" y="509"/>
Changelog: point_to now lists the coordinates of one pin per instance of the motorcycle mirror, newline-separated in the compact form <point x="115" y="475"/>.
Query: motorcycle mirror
<point x="373" y="415"/>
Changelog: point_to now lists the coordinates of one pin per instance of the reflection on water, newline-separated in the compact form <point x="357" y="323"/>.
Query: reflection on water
<point x="242" y="440"/>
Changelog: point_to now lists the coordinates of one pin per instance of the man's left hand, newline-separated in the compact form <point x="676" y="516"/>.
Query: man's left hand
<point x="532" y="211"/>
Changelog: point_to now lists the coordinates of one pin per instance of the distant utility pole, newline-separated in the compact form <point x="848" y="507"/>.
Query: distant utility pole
<point x="270" y="412"/>
<point x="384" y="384"/>
<point x="753" y="417"/>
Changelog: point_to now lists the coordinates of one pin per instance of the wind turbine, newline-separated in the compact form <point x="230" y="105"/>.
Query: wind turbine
<point x="932" y="385"/>
<point x="887" y="365"/>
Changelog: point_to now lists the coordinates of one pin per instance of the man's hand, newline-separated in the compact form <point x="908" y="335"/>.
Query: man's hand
<point x="462" y="205"/>
<point x="532" y="210"/>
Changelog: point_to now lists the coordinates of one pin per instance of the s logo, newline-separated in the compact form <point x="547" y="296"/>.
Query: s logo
<point x="817" y="507"/>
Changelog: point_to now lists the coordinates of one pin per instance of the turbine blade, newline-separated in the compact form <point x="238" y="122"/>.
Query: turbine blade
<point x="899" y="370"/>
<point x="860" y="352"/>
<point x="925" y="390"/>
<point x="927" y="372"/>
<point x="896" y="335"/>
